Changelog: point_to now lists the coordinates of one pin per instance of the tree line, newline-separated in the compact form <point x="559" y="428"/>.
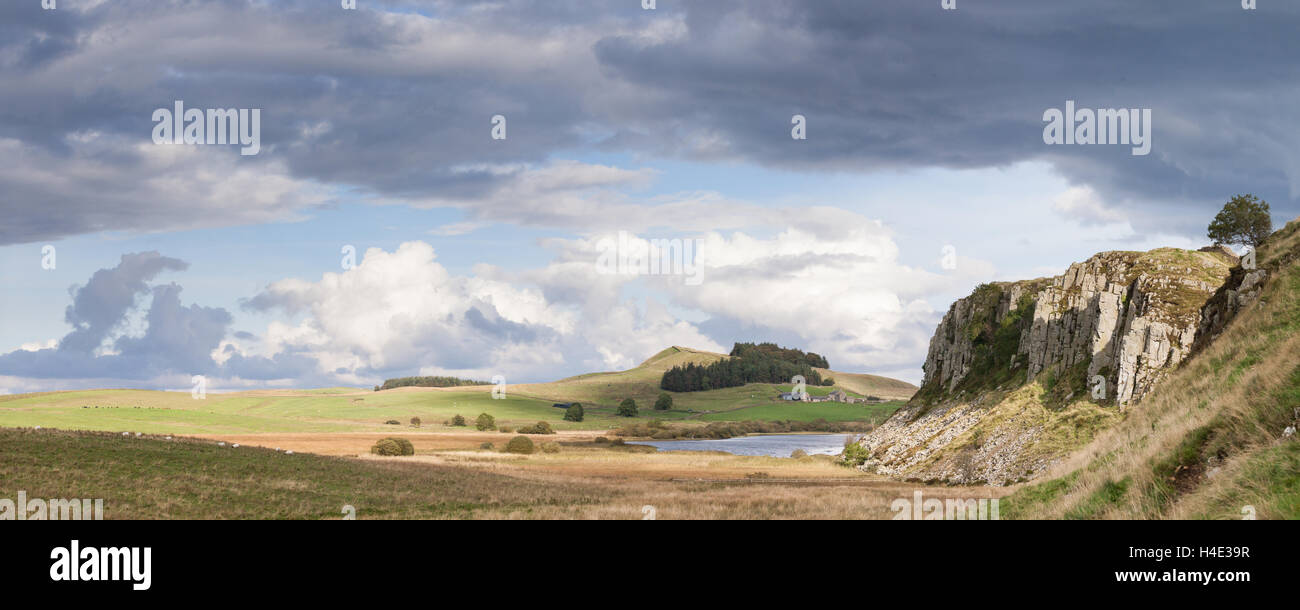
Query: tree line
<point x="750" y="363"/>
<point x="772" y="350"/>
<point x="427" y="382"/>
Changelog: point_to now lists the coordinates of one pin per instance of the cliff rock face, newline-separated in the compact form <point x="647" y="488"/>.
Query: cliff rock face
<point x="1013" y="362"/>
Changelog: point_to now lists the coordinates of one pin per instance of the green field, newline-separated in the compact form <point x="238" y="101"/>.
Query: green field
<point x="359" y="410"/>
<point x="154" y="412"/>
<point x="804" y="411"/>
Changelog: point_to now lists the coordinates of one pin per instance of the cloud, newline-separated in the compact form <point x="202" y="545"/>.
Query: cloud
<point x="401" y="311"/>
<point x="175" y="338"/>
<point x="176" y="342"/>
<point x="100" y="306"/>
<point x="392" y="103"/>
<point x="1082" y="204"/>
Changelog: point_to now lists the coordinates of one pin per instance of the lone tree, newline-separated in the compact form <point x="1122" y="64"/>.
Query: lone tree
<point x="485" y="422"/>
<point x="627" y="408"/>
<point x="574" y="412"/>
<point x="415" y="421"/>
<point x="1244" y="220"/>
<point x="665" y="402"/>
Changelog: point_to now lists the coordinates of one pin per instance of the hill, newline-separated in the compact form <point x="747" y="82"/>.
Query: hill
<point x="1021" y="373"/>
<point x="642" y="384"/>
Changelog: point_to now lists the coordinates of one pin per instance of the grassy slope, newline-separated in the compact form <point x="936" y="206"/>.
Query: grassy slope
<point x="150" y="478"/>
<point x="1207" y="441"/>
<point x="642" y="384"/>
<point x="347" y="410"/>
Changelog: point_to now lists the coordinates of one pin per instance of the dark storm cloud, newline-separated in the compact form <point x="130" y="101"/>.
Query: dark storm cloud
<point x="397" y="106"/>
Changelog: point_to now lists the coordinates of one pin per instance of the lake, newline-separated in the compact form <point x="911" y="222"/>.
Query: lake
<point x="774" y="445"/>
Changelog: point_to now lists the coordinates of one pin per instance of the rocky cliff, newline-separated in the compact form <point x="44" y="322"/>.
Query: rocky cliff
<point x="1019" y="373"/>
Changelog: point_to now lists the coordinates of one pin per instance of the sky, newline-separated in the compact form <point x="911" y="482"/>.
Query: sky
<point x="388" y="226"/>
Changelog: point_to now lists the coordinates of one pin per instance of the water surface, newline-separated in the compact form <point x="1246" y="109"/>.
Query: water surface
<point x="774" y="445"/>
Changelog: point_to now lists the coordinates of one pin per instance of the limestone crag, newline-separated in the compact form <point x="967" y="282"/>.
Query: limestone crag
<point x="1127" y="315"/>
<point x="1091" y="340"/>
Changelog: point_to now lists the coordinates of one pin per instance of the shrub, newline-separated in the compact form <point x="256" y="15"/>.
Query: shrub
<point x="551" y="447"/>
<point x="485" y="422"/>
<point x="393" y="446"/>
<point x="487" y="446"/>
<point x="505" y="429"/>
<point x="600" y="440"/>
<point x="665" y="402"/>
<point x="627" y="408"/>
<point x="798" y="453"/>
<point x="854" y="455"/>
<point x="520" y="444"/>
<point x="386" y="447"/>
<point x="540" y="427"/>
<point x="828" y="381"/>
<point x="393" y="422"/>
<point x="574" y="412"/>
<point x="415" y="421"/>
<point x="458" y="420"/>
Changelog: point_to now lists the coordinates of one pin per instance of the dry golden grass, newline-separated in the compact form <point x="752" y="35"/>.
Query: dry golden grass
<point x="678" y="485"/>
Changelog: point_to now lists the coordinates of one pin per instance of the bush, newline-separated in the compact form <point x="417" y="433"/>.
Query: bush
<point x="487" y="446"/>
<point x="798" y="453"/>
<point x="485" y="422"/>
<point x="458" y="420"/>
<point x="854" y="455"/>
<point x="505" y="429"/>
<point x="828" y="381"/>
<point x="386" y="447"/>
<point x="540" y="427"/>
<point x="520" y="444"/>
<point x="551" y="447"/>
<point x="393" y="446"/>
<point x="393" y="422"/>
<point x="415" y="421"/>
<point x="574" y="412"/>
<point x="627" y="408"/>
<point x="665" y="402"/>
<point x="600" y="440"/>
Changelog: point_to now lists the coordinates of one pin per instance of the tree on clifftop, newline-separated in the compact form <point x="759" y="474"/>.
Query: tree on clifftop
<point x="1244" y="220"/>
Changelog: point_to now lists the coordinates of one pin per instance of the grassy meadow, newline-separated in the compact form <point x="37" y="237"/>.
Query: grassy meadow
<point x="154" y="478"/>
<point x="340" y="410"/>
<point x="70" y="444"/>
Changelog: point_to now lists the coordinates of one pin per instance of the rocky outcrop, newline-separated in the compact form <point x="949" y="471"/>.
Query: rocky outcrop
<point x="1011" y="358"/>
<point x="1127" y="315"/>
